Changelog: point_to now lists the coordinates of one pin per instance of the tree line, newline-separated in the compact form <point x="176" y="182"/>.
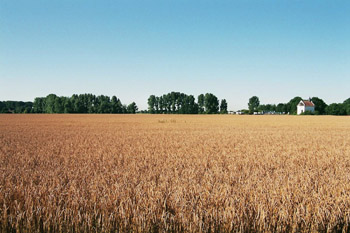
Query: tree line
<point x="180" y="103"/>
<point x="83" y="103"/>
<point x="171" y="103"/>
<point x="321" y="108"/>
<point x="15" y="107"/>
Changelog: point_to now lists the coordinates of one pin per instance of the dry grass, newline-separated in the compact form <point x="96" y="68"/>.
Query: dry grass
<point x="102" y="173"/>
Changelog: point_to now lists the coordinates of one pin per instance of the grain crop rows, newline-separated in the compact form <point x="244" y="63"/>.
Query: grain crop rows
<point x="156" y="173"/>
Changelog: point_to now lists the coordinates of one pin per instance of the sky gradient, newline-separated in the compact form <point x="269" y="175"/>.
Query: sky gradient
<point x="275" y="49"/>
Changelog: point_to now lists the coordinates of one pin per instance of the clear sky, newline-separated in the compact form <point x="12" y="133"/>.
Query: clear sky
<point x="275" y="49"/>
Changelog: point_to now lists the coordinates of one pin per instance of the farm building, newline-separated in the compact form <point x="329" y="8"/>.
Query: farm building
<point x="305" y="105"/>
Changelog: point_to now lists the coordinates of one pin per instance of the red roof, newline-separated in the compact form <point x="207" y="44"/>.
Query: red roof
<point x="308" y="103"/>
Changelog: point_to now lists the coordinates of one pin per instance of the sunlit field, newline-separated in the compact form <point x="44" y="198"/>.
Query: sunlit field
<point x="199" y="173"/>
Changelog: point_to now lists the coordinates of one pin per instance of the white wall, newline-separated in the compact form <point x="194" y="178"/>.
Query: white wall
<point x="300" y="109"/>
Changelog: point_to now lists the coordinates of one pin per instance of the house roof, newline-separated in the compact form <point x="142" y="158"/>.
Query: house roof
<point x="308" y="103"/>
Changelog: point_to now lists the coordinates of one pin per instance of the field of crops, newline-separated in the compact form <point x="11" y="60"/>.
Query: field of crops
<point x="218" y="173"/>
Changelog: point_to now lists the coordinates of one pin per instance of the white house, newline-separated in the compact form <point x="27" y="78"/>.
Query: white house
<point x="305" y="105"/>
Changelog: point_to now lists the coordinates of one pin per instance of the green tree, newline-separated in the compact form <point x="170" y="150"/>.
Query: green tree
<point x="346" y="106"/>
<point x="124" y="108"/>
<point x="174" y="96"/>
<point x="167" y="103"/>
<point x="201" y="103"/>
<point x="39" y="105"/>
<point x="223" y="106"/>
<point x="281" y="108"/>
<point x="151" y="104"/>
<point x="157" y="105"/>
<point x="320" y="105"/>
<point x="90" y="102"/>
<point x="347" y="101"/>
<point x="116" y="105"/>
<point x="161" y="104"/>
<point x="189" y="105"/>
<point x="335" y="109"/>
<point x="104" y="104"/>
<point x="253" y="104"/>
<point x="67" y="105"/>
<point x="83" y="103"/>
<point x="58" y="105"/>
<point x="267" y="107"/>
<point x="211" y="103"/>
<point x="132" y="108"/>
<point x="50" y="103"/>
<point x="2" y="107"/>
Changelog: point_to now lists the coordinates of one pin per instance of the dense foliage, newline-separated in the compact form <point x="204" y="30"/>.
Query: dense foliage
<point x="176" y="102"/>
<point x="253" y="104"/>
<point x="15" y="107"/>
<point x="84" y="103"/>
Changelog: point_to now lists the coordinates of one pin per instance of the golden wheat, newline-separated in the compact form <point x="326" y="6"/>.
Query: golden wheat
<point x="103" y="173"/>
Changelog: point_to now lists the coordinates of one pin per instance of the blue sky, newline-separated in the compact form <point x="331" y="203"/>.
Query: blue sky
<point x="275" y="49"/>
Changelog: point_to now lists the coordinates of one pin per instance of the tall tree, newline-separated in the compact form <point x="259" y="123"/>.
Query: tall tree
<point x="91" y="103"/>
<point x="174" y="96"/>
<point x="320" y="105"/>
<point x="211" y="103"/>
<point x="157" y="105"/>
<point x="58" y="105"/>
<point x="201" y="103"/>
<point x="132" y="108"/>
<point x="50" y="103"/>
<point x="189" y="105"/>
<point x="116" y="105"/>
<point x="253" y="104"/>
<point x="83" y="103"/>
<point x="167" y="103"/>
<point x="67" y="105"/>
<point x="104" y="104"/>
<point x="3" y="107"/>
<point x="223" y="106"/>
<point x="161" y="104"/>
<point x="151" y="104"/>
<point x="346" y="106"/>
<point x="39" y="105"/>
<point x="335" y="109"/>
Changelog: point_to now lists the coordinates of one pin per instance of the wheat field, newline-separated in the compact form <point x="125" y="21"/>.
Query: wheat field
<point x="174" y="173"/>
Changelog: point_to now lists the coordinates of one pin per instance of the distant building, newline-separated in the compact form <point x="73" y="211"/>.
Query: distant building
<point x="305" y="105"/>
